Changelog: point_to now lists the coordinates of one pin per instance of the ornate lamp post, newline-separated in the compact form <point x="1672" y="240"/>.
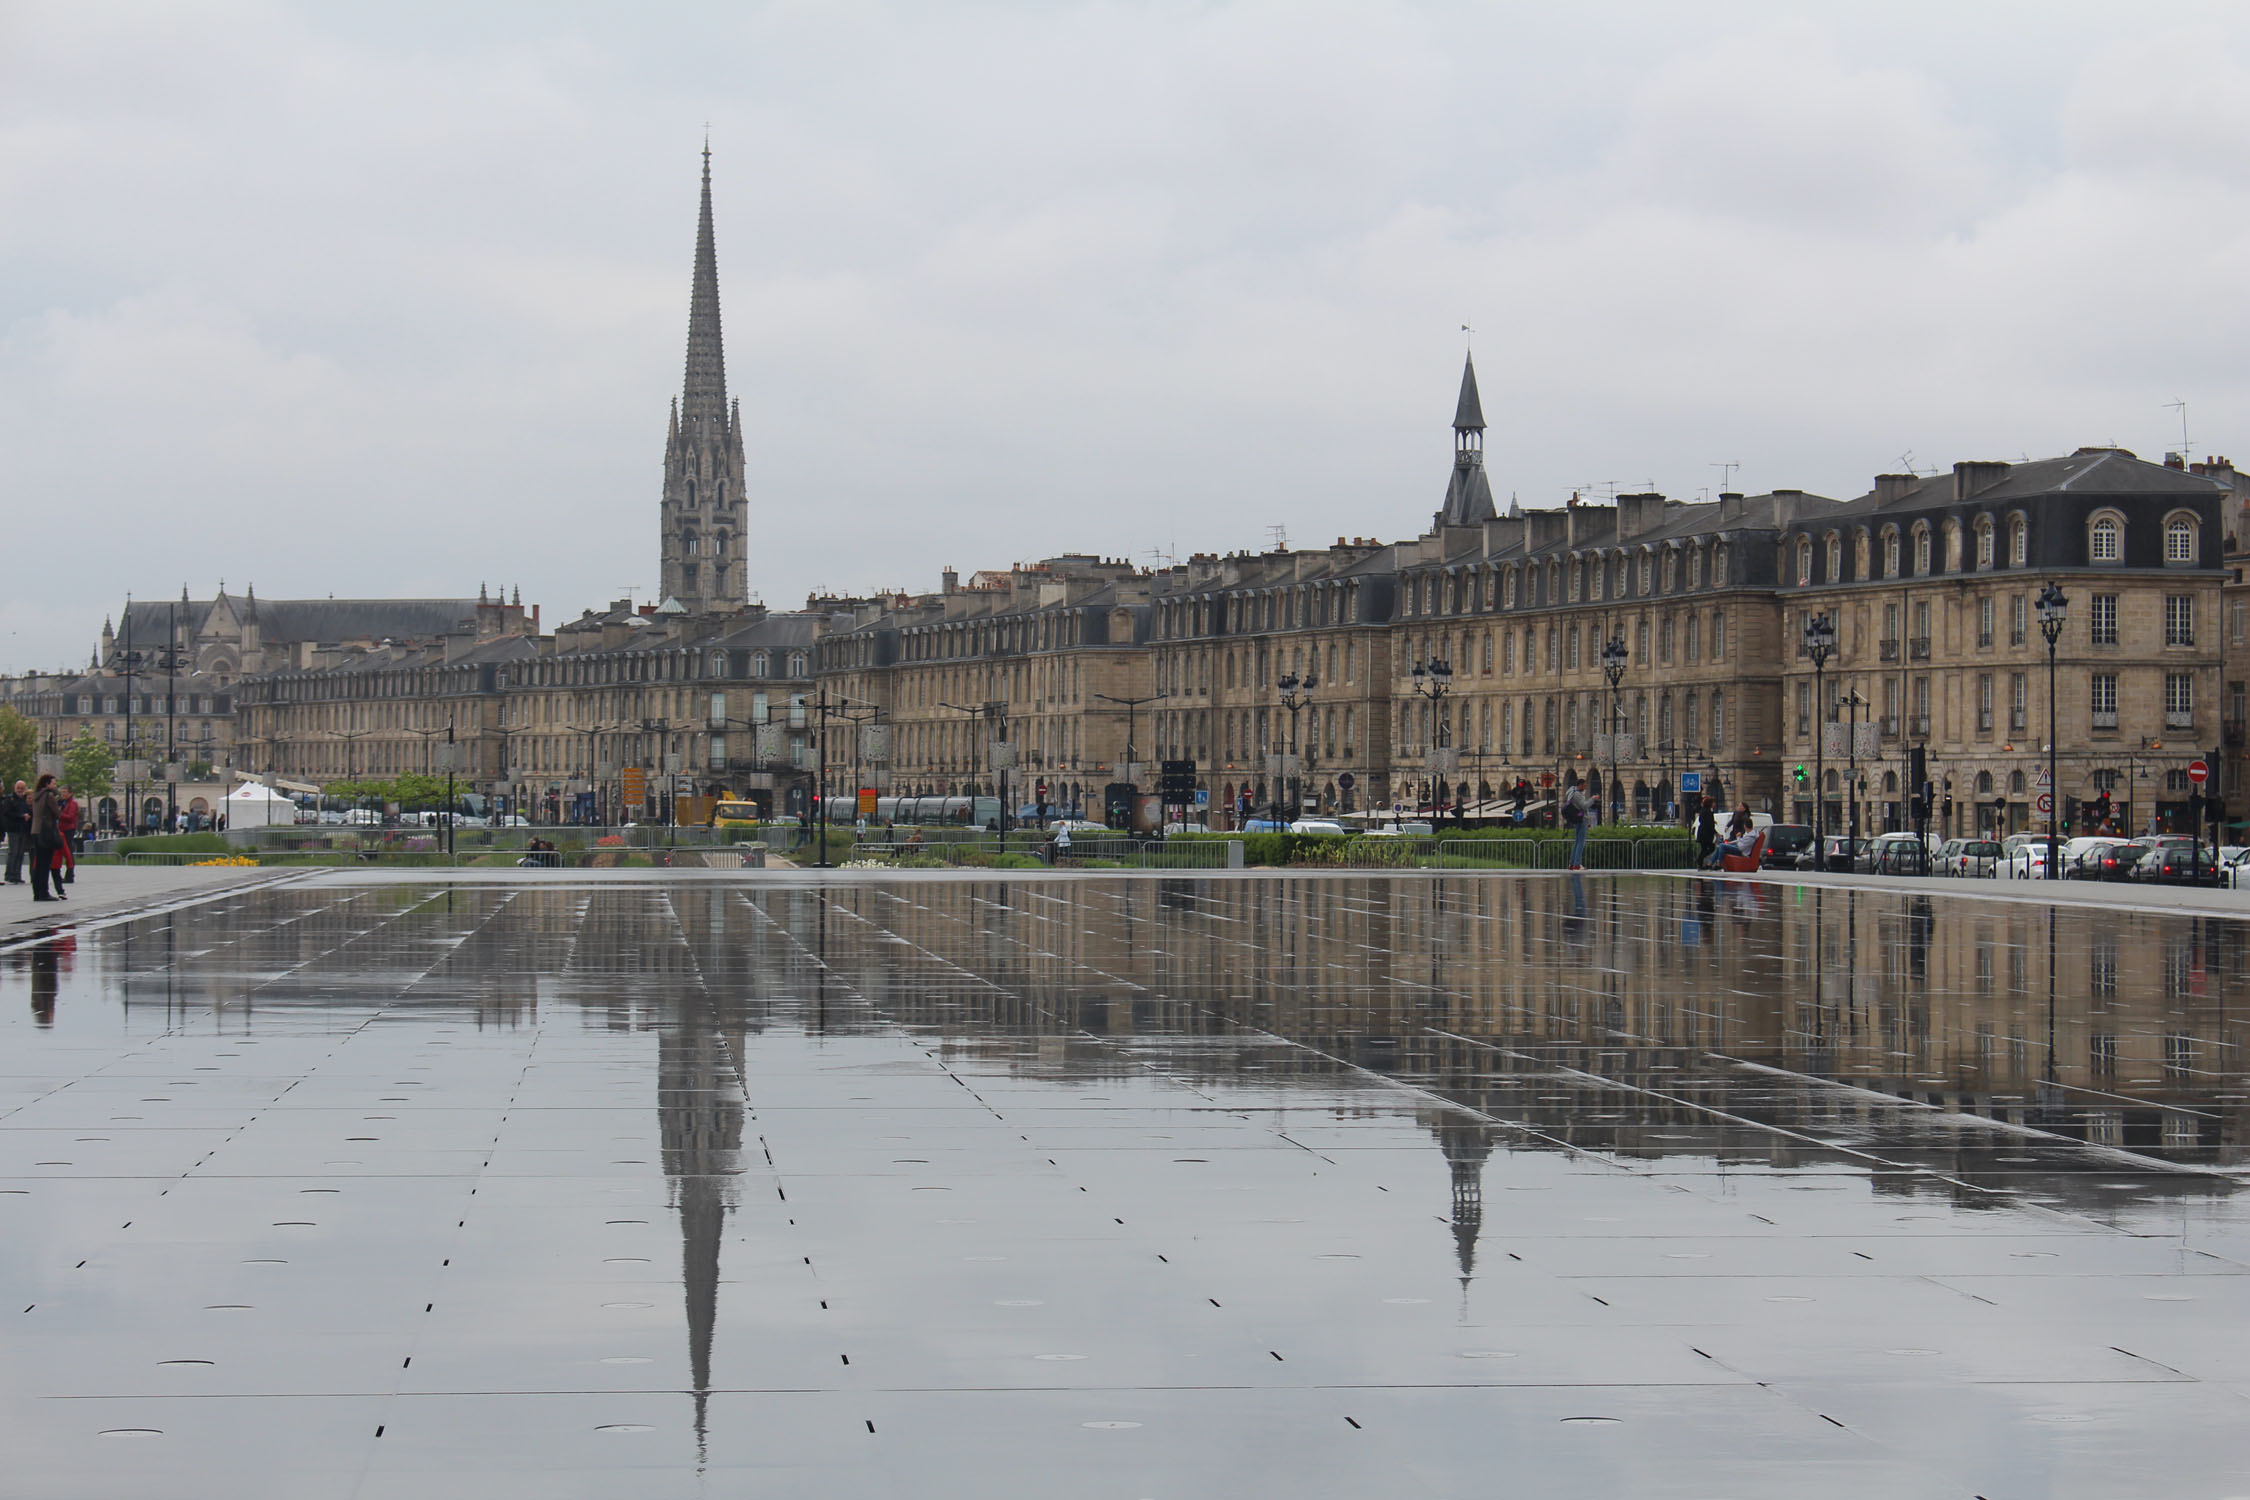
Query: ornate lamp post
<point x="2052" y="608"/>
<point x="1613" y="668"/>
<point x="1433" y="679"/>
<point x="1820" y="640"/>
<point x="1296" y="692"/>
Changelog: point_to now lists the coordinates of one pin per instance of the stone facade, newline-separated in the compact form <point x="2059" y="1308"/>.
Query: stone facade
<point x="1036" y="658"/>
<point x="1931" y="584"/>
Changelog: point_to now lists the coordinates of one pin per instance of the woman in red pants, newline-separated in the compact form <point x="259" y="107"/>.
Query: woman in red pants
<point x="66" y="861"/>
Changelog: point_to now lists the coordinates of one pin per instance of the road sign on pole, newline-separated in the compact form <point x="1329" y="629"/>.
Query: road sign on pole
<point x="2045" y="802"/>
<point x="2198" y="772"/>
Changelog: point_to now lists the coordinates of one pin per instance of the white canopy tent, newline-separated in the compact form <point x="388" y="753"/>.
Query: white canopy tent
<point x="251" y="805"/>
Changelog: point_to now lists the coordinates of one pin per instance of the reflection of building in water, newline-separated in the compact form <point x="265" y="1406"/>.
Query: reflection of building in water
<point x="1660" y="983"/>
<point x="1466" y="1142"/>
<point x="699" y="1108"/>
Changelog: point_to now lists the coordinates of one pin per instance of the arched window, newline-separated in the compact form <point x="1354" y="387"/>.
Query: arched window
<point x="2105" y="542"/>
<point x="761" y="665"/>
<point x="718" y="664"/>
<point x="1718" y="720"/>
<point x="1804" y="561"/>
<point x="1890" y="552"/>
<point x="2179" y="542"/>
<point x="2019" y="547"/>
<point x="1600" y="569"/>
<point x="1984" y="542"/>
<point x="1921" y="549"/>
<point x="1835" y="558"/>
<point x="1577" y="572"/>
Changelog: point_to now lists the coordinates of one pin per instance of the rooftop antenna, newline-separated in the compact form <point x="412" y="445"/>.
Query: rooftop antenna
<point x="2180" y="402"/>
<point x="1280" y="535"/>
<point x="1726" y="476"/>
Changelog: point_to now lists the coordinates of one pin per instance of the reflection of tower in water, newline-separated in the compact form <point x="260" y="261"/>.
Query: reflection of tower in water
<point x="1466" y="1143"/>
<point x="699" y="1116"/>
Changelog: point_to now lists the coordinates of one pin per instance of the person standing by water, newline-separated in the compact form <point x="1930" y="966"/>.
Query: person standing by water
<point x="46" y="839"/>
<point x="66" y="858"/>
<point x="15" y="823"/>
<point x="1576" y="815"/>
<point x="1706" y="836"/>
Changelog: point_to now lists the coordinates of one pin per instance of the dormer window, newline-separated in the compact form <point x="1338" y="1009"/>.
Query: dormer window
<point x="2106" y="542"/>
<point x="2179" y="542"/>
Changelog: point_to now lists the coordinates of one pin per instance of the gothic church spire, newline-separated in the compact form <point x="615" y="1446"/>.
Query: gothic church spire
<point x="705" y="396"/>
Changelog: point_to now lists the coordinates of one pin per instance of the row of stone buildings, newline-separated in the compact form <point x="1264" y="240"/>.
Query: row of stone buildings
<point x="1652" y="644"/>
<point x="1438" y="671"/>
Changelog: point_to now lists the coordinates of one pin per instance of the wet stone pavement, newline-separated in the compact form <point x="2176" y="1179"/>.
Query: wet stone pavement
<point x="1355" y="1186"/>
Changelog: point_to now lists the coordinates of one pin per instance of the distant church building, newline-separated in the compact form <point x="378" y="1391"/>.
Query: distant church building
<point x="705" y="514"/>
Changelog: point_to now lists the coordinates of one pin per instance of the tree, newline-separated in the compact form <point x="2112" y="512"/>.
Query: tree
<point x="19" y="748"/>
<point x="87" y="764"/>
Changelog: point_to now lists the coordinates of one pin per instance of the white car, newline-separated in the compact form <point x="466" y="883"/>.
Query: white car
<point x="1316" y="825"/>
<point x="1401" y="831"/>
<point x="2026" y="857"/>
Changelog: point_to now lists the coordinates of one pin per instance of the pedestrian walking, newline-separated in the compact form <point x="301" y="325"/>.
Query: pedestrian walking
<point x="1061" y="849"/>
<point x="1706" y="836"/>
<point x="1576" y="816"/>
<point x="15" y="822"/>
<point x="46" y="838"/>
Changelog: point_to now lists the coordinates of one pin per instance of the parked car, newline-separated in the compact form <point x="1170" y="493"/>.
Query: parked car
<point x="1316" y="825"/>
<point x="1897" y="854"/>
<point x="1788" y="846"/>
<point x="1972" y="857"/>
<point x="2024" y="856"/>
<point x="1843" y="854"/>
<point x="2231" y="861"/>
<point x="2176" y="861"/>
<point x="2098" y="857"/>
<point x="1400" y="830"/>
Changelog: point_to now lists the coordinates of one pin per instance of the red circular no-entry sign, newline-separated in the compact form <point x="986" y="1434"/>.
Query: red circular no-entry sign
<point x="2198" y="772"/>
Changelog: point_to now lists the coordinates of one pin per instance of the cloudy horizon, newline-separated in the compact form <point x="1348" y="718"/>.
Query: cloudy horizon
<point x="393" y="303"/>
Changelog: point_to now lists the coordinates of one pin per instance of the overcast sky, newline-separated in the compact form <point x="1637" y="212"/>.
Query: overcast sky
<point x="372" y="300"/>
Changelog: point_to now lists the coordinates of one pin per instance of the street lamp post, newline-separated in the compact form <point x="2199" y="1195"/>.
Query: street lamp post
<point x="1819" y="641"/>
<point x="1296" y="692"/>
<point x="2052" y="607"/>
<point x="1433" y="679"/>
<point x="1613" y="668"/>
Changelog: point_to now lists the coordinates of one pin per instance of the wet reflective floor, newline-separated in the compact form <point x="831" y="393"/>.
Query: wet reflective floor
<point x="1363" y="1186"/>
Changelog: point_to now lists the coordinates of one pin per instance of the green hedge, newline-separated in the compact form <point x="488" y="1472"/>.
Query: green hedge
<point x="173" y="843"/>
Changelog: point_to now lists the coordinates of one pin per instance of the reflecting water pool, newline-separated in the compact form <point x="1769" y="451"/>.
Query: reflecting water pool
<point x="1354" y="1186"/>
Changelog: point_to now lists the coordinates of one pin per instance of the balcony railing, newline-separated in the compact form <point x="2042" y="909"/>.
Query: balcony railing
<point x="1919" y="648"/>
<point x="1984" y="640"/>
<point x="2016" y="720"/>
<point x="1890" y="726"/>
<point x="1890" y="650"/>
<point x="1919" y="724"/>
<point x="2105" y="718"/>
<point x="2179" y="718"/>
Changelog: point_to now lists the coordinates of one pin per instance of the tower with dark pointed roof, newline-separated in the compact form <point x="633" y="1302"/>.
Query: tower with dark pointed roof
<point x="705" y="512"/>
<point x="1468" y="496"/>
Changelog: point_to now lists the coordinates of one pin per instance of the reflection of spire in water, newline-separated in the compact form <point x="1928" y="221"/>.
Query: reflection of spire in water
<point x="699" y="1116"/>
<point x="1466" y="1143"/>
